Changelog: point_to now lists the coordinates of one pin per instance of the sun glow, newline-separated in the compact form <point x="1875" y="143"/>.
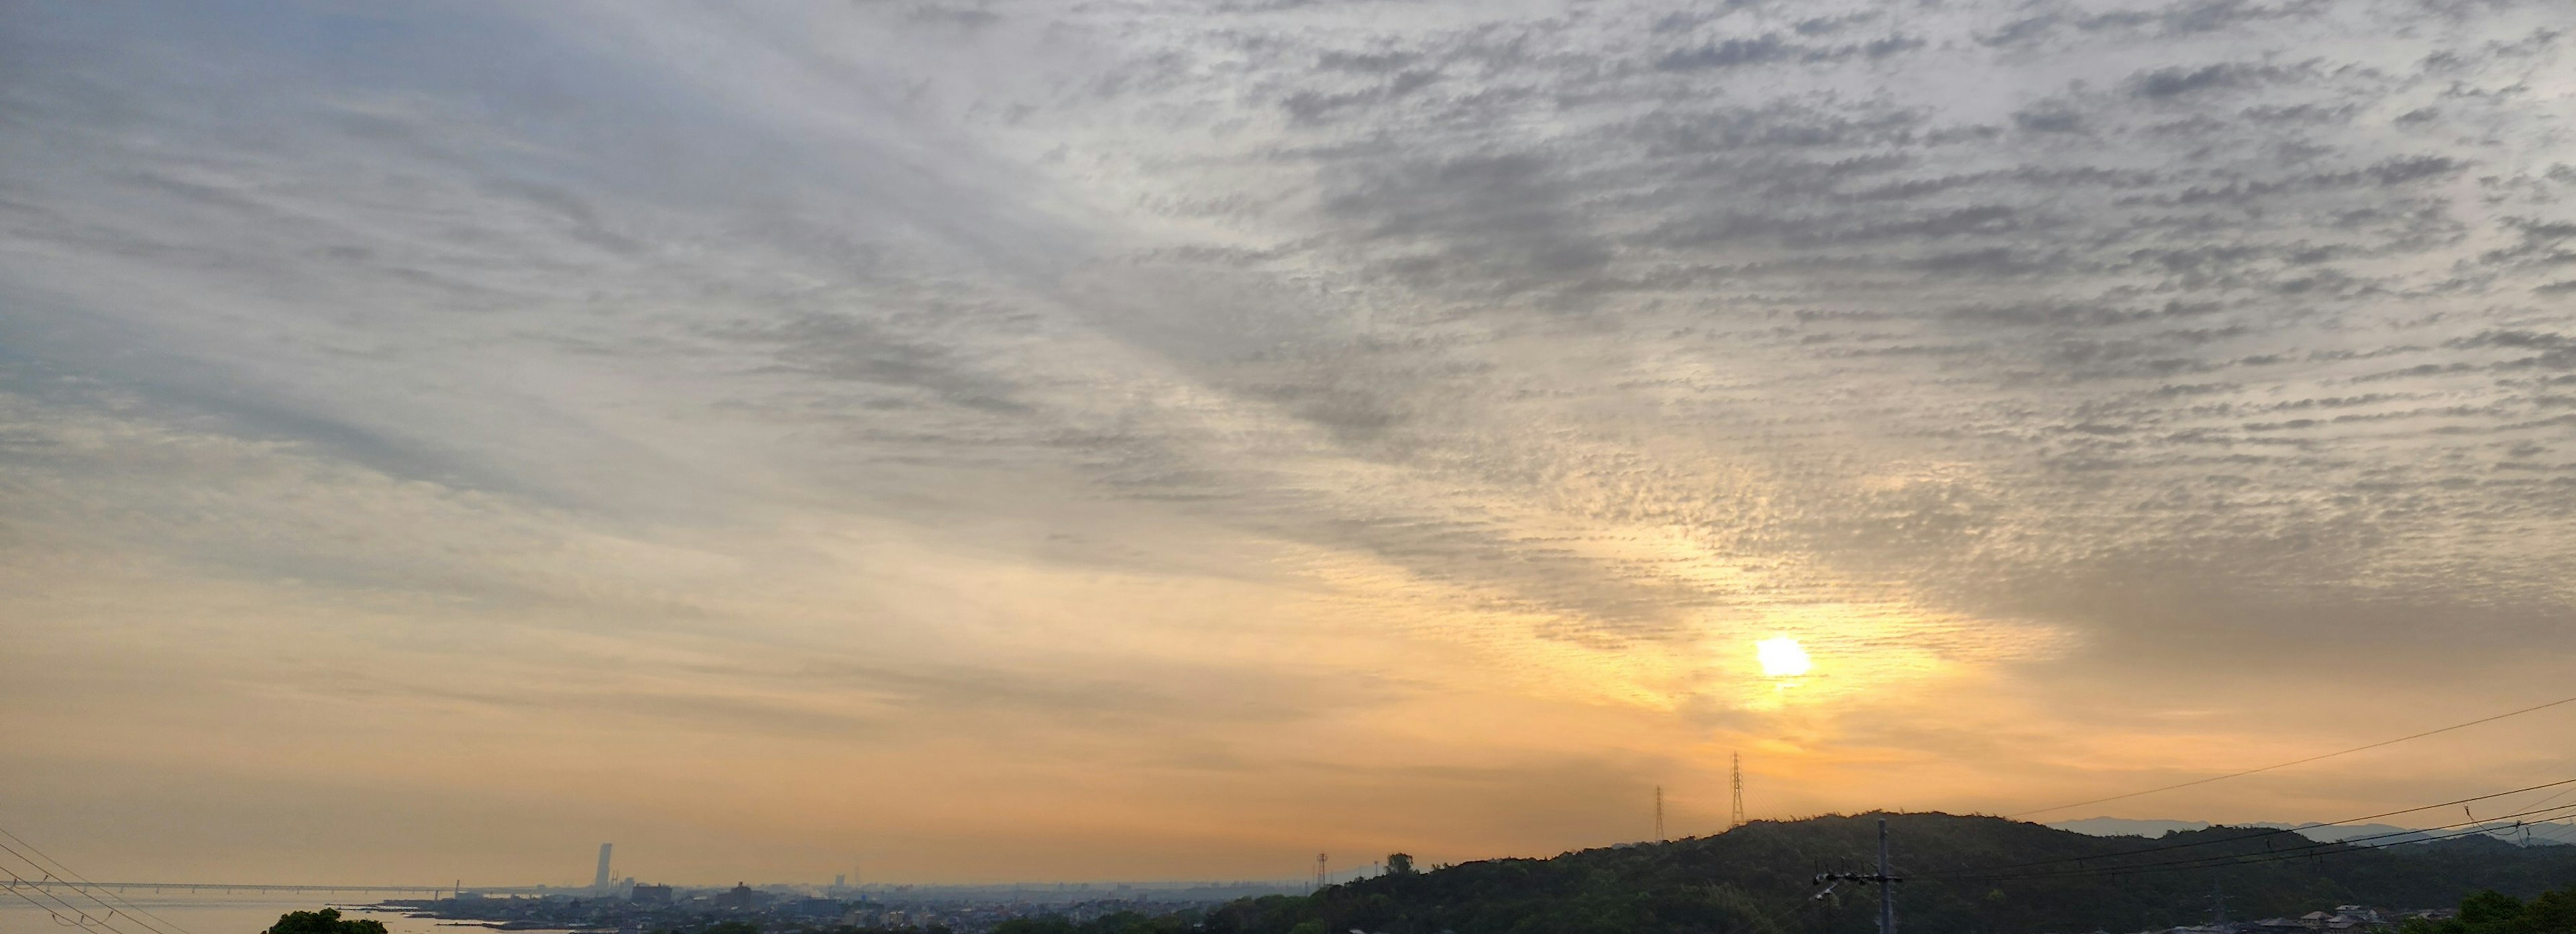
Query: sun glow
<point x="1781" y="657"/>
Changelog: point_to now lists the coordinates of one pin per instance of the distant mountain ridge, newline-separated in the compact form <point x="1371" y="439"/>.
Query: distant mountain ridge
<point x="2557" y="833"/>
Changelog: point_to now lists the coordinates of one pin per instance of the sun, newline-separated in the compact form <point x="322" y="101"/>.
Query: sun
<point x="1781" y="657"/>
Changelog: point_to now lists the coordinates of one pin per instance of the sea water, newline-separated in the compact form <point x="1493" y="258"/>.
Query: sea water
<point x="171" y="912"/>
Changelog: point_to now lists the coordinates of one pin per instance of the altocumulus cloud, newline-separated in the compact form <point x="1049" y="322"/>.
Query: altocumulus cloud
<point x="1278" y="404"/>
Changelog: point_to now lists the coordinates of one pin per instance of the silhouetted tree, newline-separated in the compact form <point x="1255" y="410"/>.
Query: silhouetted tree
<point x="2493" y="912"/>
<point x="325" y="921"/>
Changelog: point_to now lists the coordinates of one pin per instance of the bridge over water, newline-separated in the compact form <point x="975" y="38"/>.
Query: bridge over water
<point x="284" y="888"/>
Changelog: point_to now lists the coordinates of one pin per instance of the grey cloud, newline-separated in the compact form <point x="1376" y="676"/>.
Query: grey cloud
<point x="1770" y="48"/>
<point x="961" y="16"/>
<point x="2556" y="351"/>
<point x="2170" y="82"/>
<point x="1500" y="219"/>
<point x="2399" y="170"/>
<point x="1730" y="53"/>
<point x="2201" y="16"/>
<point x="1387" y="62"/>
<point x="849" y="347"/>
<point x="2022" y="31"/>
<point x="1828" y="25"/>
<point x="1620" y="322"/>
<point x="2049" y="120"/>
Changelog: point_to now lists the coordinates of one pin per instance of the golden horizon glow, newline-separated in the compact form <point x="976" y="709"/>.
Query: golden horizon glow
<point x="1782" y="657"/>
<point x="1150" y="441"/>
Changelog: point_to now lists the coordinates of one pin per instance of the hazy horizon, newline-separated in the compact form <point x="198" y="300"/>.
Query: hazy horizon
<point x="1139" y="439"/>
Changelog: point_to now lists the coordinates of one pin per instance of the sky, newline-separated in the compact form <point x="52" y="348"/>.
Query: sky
<point x="1144" y="439"/>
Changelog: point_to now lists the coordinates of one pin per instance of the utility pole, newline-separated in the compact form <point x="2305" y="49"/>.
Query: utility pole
<point x="1659" y="813"/>
<point x="1886" y="892"/>
<point x="1885" y="883"/>
<point x="1739" y="792"/>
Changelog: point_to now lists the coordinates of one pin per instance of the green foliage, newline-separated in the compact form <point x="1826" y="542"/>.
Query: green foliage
<point x="325" y="921"/>
<point x="744" y="926"/>
<point x="2493" y="912"/>
<point x="1399" y="864"/>
<point x="1756" y="879"/>
<point x="1125" y="922"/>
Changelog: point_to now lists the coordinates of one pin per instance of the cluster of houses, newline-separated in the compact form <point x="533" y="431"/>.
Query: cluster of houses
<point x="2345" y="919"/>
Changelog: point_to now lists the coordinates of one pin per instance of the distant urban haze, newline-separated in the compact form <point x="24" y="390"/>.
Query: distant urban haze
<point x="1165" y="439"/>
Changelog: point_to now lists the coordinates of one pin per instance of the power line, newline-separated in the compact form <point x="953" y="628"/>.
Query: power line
<point x="134" y="912"/>
<point x="2313" y="851"/>
<point x="1881" y="878"/>
<point x="2282" y="830"/>
<point x="2320" y="848"/>
<point x="2561" y="794"/>
<point x="79" y="918"/>
<point x="2309" y="849"/>
<point x="2284" y="765"/>
<point x="84" y="885"/>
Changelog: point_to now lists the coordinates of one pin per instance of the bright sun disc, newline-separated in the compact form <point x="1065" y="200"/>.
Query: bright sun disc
<point x="1781" y="657"/>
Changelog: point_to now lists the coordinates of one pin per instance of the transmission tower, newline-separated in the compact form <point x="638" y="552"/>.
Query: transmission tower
<point x="1739" y="791"/>
<point x="1659" y="813"/>
<point x="1319" y="872"/>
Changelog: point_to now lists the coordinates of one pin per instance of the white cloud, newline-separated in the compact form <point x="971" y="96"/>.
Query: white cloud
<point x="1231" y="393"/>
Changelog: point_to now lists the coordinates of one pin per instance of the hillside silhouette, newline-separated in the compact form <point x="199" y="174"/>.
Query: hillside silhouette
<point x="1757" y="879"/>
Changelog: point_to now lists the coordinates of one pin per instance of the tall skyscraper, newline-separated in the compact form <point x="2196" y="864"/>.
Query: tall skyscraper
<point x="600" y="881"/>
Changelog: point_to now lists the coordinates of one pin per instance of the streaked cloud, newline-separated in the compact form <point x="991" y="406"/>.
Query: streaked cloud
<point x="996" y="432"/>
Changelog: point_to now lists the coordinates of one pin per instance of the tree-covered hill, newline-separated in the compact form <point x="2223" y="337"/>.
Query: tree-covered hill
<point x="1756" y="879"/>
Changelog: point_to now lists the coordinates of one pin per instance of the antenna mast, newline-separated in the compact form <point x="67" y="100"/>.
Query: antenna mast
<point x="1659" y="814"/>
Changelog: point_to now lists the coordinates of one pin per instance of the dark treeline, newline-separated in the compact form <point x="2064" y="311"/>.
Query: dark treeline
<point x="325" y="921"/>
<point x="1757" y="879"/>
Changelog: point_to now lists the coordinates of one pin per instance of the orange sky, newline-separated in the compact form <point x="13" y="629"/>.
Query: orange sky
<point x="1024" y="442"/>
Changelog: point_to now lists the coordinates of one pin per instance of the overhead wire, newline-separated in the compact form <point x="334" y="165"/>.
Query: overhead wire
<point x="2310" y="852"/>
<point x="2561" y="794"/>
<point x="45" y="885"/>
<point x="17" y="886"/>
<point x="2284" y="765"/>
<point x="2314" y="847"/>
<point x="40" y="906"/>
<point x="78" y="883"/>
<point x="2549" y="831"/>
<point x="20" y="885"/>
<point x="2324" y="847"/>
<point x="2270" y="832"/>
